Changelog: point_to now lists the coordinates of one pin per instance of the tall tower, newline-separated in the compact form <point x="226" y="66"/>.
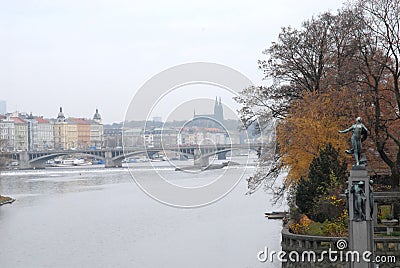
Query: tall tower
<point x="60" y="116"/>
<point x="97" y="117"/>
<point x="31" y="121"/>
<point x="218" y="110"/>
<point x="96" y="131"/>
<point x="221" y="110"/>
<point x="60" y="131"/>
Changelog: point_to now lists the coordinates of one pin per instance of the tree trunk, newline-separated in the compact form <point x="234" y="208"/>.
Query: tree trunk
<point x="395" y="177"/>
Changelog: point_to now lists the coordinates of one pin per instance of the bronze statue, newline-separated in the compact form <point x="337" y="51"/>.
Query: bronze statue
<point x="360" y="133"/>
<point x="359" y="199"/>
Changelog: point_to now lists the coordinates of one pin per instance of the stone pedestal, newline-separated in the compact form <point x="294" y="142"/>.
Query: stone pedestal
<point x="24" y="160"/>
<point x="361" y="228"/>
<point x="109" y="162"/>
<point x="199" y="159"/>
<point x="222" y="156"/>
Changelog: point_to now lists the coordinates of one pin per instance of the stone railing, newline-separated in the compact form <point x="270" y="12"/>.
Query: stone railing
<point x="388" y="246"/>
<point x="292" y="241"/>
<point x="384" y="246"/>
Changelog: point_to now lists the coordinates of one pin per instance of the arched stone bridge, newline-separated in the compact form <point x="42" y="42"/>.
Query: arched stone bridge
<point x="114" y="157"/>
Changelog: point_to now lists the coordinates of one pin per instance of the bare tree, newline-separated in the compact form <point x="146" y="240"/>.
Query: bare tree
<point x="358" y="48"/>
<point x="378" y="59"/>
<point x="315" y="58"/>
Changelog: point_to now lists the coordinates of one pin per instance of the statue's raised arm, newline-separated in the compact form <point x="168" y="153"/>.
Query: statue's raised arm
<point x="360" y="133"/>
<point x="347" y="130"/>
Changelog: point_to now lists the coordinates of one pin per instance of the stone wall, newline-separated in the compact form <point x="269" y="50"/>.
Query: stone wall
<point x="384" y="246"/>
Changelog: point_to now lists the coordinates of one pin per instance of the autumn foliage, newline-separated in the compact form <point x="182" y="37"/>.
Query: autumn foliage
<point x="311" y="124"/>
<point x="324" y="74"/>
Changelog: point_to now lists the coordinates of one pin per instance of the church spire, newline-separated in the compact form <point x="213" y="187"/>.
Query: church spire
<point x="97" y="117"/>
<point x="218" y="110"/>
<point x="60" y="116"/>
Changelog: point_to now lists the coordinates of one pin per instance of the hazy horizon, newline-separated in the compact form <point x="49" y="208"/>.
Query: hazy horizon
<point x="84" y="55"/>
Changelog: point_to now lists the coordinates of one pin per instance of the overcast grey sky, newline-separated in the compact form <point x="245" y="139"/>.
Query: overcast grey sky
<point x="84" y="55"/>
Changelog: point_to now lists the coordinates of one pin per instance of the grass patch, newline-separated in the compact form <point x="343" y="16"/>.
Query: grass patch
<point x="316" y="228"/>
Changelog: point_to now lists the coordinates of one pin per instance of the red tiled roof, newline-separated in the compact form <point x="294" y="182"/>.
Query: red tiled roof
<point x="18" y="120"/>
<point x="80" y="121"/>
<point x="41" y="120"/>
<point x="213" y="129"/>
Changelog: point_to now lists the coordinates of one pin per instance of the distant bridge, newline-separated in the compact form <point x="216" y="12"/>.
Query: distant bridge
<point x="114" y="157"/>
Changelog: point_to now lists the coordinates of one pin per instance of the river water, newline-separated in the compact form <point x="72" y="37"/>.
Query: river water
<point x="96" y="217"/>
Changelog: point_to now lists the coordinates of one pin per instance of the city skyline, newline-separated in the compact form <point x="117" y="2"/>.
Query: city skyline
<point x="26" y="132"/>
<point x="196" y="107"/>
<point x="29" y="132"/>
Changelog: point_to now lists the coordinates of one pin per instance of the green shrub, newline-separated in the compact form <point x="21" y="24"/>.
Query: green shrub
<point x="395" y="234"/>
<point x="318" y="195"/>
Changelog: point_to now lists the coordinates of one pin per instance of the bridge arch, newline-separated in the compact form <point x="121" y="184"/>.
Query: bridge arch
<point x="149" y="151"/>
<point x="38" y="162"/>
<point x="54" y="155"/>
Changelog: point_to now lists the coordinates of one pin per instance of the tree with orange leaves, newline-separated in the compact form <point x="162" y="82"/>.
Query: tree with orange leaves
<point x="311" y="68"/>
<point x="312" y="123"/>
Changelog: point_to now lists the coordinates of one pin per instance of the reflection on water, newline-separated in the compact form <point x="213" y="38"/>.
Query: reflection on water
<point x="94" y="217"/>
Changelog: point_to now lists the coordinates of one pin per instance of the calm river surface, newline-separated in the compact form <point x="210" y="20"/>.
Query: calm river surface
<point x="96" y="217"/>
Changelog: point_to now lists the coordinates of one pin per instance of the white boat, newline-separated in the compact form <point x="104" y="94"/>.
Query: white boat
<point x="58" y="162"/>
<point x="81" y="162"/>
<point x="70" y="162"/>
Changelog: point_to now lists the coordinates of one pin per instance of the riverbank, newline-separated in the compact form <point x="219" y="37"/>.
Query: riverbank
<point x="209" y="167"/>
<point x="6" y="200"/>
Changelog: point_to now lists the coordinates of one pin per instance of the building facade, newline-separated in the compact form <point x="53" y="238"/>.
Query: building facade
<point x="7" y="134"/>
<point x="20" y="134"/>
<point x="112" y="137"/>
<point x="203" y="136"/>
<point x="65" y="133"/>
<point x="32" y="129"/>
<point x="132" y="137"/>
<point x="20" y="131"/>
<point x="96" y="131"/>
<point x="44" y="136"/>
<point x="83" y="132"/>
<point x="164" y="137"/>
